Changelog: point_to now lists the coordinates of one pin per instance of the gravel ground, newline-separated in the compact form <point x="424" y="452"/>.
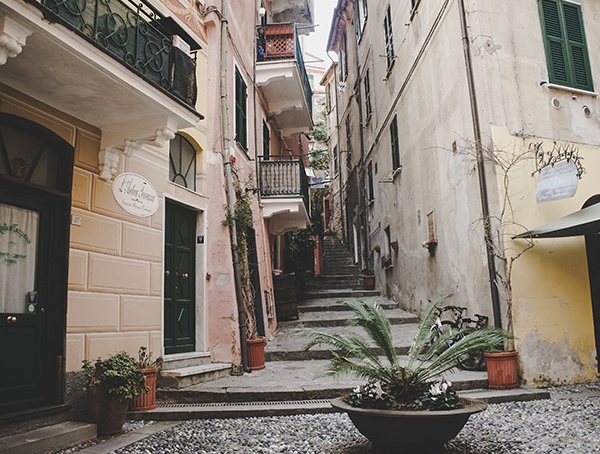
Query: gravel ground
<point x="567" y="424"/>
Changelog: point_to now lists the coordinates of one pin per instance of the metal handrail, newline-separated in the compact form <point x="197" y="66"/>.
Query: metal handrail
<point x="130" y="31"/>
<point x="283" y="177"/>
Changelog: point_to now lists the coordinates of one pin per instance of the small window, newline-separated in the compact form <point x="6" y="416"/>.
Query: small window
<point x="389" y="37"/>
<point x="370" y="188"/>
<point x="348" y="136"/>
<point x="241" y="110"/>
<point x="367" y="84"/>
<point x="343" y="60"/>
<point x="395" y="144"/>
<point x="328" y="97"/>
<point x="182" y="162"/>
<point x="336" y="161"/>
<point x="566" y="49"/>
<point x="266" y="141"/>
<point x="361" y="12"/>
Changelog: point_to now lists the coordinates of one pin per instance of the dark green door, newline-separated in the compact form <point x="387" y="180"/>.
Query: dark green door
<point x="179" y="301"/>
<point x="35" y="184"/>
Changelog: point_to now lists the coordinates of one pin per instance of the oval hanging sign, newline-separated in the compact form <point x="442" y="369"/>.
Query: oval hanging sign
<point x="135" y="194"/>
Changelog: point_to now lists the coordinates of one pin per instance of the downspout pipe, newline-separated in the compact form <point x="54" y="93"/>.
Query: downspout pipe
<point x="230" y="192"/>
<point x="485" y="209"/>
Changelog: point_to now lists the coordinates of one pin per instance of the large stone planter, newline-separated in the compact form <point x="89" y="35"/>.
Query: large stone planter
<point x="409" y="431"/>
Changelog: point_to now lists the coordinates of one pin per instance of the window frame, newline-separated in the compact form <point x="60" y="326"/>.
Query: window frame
<point x="370" y="185"/>
<point x="567" y="56"/>
<point x="192" y="166"/>
<point x="389" y="37"/>
<point x="395" y="144"/>
<point x="241" y="110"/>
<point x="367" y="86"/>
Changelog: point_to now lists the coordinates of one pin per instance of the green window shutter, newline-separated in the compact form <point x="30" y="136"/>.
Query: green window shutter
<point x="577" y="46"/>
<point x="395" y="144"/>
<point x="566" y="49"/>
<point x="241" y="127"/>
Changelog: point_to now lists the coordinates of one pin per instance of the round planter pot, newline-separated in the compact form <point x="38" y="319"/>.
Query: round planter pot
<point x="369" y="282"/>
<point x="107" y="413"/>
<point x="409" y="431"/>
<point x="502" y="369"/>
<point x="146" y="401"/>
<point x="256" y="353"/>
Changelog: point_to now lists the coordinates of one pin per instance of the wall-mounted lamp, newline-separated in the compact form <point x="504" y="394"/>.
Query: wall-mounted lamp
<point x="262" y="11"/>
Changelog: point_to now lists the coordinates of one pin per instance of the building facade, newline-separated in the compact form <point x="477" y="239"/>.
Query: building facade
<point x="118" y="156"/>
<point x="452" y="153"/>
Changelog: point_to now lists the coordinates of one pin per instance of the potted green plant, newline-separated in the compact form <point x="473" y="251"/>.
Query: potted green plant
<point x="409" y="405"/>
<point x="147" y="400"/>
<point x="111" y="383"/>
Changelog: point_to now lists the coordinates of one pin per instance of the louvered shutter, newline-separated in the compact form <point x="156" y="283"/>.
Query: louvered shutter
<point x="566" y="49"/>
<point x="576" y="41"/>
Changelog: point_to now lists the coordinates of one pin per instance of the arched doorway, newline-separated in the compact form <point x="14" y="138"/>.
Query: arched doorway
<point x="36" y="169"/>
<point x="592" y="248"/>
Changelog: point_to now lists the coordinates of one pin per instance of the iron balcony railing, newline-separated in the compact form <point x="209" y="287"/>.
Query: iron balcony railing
<point x="132" y="32"/>
<point x="283" y="177"/>
<point x="277" y="42"/>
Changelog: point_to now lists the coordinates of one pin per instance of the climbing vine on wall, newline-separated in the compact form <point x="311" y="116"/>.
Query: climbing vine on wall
<point x="244" y="221"/>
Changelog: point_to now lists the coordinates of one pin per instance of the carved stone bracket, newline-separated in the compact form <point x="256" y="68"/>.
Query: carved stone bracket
<point x="109" y="157"/>
<point x="12" y="38"/>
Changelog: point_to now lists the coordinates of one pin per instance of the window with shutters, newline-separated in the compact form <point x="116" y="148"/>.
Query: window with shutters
<point x="266" y="141"/>
<point x="389" y="37"/>
<point x="368" y="106"/>
<point x="395" y="144"/>
<point x="566" y="48"/>
<point x="348" y="137"/>
<point x="241" y="110"/>
<point x="336" y="161"/>
<point x="370" y="187"/>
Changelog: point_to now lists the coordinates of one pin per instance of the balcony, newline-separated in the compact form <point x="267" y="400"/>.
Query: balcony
<point x="110" y="64"/>
<point x="283" y="188"/>
<point x="281" y="76"/>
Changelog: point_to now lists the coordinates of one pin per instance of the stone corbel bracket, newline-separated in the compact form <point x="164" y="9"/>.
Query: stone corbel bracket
<point x="108" y="158"/>
<point x="12" y="38"/>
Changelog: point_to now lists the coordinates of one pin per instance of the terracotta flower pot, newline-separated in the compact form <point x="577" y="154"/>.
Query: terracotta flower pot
<point x="107" y="413"/>
<point x="256" y="353"/>
<point x="369" y="282"/>
<point x="502" y="369"/>
<point x="409" y="431"/>
<point x="146" y="401"/>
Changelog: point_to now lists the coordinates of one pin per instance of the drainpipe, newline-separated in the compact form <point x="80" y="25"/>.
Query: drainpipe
<point x="230" y="192"/>
<point x="480" y="167"/>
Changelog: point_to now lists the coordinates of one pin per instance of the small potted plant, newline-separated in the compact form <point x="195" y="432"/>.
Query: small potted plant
<point x="147" y="400"/>
<point x="404" y="405"/>
<point x="368" y="278"/>
<point x="111" y="384"/>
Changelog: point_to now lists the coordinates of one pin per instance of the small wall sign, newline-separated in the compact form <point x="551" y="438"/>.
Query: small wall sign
<point x="135" y="194"/>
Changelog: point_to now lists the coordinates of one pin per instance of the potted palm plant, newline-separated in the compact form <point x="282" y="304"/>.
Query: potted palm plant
<point x="111" y="383"/>
<point x="408" y="404"/>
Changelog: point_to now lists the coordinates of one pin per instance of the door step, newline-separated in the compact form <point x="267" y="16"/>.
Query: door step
<point x="192" y="375"/>
<point x="49" y="438"/>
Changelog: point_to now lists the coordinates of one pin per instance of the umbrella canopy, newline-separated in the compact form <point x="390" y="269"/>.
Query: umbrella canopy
<point x="583" y="222"/>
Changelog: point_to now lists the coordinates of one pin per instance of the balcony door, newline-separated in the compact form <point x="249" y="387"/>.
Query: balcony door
<point x="35" y="187"/>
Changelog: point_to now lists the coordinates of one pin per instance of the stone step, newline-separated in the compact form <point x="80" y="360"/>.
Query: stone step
<point x="192" y="375"/>
<point x="339" y="293"/>
<point x="180" y="360"/>
<point x="286" y="381"/>
<point x="49" y="438"/>
<point x="337" y="304"/>
<point x="289" y="343"/>
<point x="340" y="318"/>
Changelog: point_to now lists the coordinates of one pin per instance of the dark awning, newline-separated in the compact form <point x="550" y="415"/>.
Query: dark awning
<point x="583" y="222"/>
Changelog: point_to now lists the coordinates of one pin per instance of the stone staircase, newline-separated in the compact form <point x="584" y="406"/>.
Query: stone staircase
<point x="186" y="369"/>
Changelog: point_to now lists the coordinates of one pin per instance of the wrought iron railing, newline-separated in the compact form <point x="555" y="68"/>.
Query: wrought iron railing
<point x="130" y="31"/>
<point x="283" y="177"/>
<point x="280" y="42"/>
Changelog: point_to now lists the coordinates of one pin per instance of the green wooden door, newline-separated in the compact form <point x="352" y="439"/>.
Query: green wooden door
<point x="179" y="300"/>
<point x="35" y="184"/>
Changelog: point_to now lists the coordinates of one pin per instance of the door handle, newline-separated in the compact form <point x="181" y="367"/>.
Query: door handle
<point x="167" y="273"/>
<point x="185" y="275"/>
<point x="11" y="319"/>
